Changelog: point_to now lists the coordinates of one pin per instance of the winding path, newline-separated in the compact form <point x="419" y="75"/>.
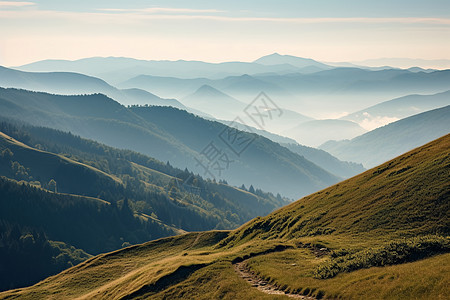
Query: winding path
<point x="262" y="285"/>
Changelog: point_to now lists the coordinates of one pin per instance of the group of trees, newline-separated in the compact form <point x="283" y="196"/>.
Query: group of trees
<point x="28" y="256"/>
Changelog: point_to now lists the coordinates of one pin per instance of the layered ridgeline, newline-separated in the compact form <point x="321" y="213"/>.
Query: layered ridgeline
<point x="381" y="144"/>
<point x="398" y="108"/>
<point x="68" y="197"/>
<point x="209" y="148"/>
<point x="381" y="234"/>
<point x="118" y="69"/>
<point x="66" y="83"/>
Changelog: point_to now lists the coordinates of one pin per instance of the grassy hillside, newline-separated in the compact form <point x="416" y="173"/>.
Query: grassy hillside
<point x="384" y="143"/>
<point x="383" y="233"/>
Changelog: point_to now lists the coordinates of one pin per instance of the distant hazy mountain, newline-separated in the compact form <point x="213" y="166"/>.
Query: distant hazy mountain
<point x="343" y="90"/>
<point x="393" y="110"/>
<point x="324" y="94"/>
<point x="165" y="86"/>
<point x="205" y="94"/>
<point x="407" y="63"/>
<point x="307" y="65"/>
<point x="296" y="83"/>
<point x="169" y="134"/>
<point x="316" y="132"/>
<point x="66" y="83"/>
<point x="119" y="69"/>
<point x="242" y="87"/>
<point x="386" y="142"/>
<point x="214" y="102"/>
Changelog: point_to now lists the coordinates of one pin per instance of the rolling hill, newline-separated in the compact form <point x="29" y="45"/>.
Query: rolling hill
<point x="381" y="234"/>
<point x="386" y="142"/>
<point x="169" y="134"/>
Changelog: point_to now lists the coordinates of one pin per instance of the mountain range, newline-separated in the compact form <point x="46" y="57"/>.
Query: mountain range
<point x="118" y="69"/>
<point x="298" y="84"/>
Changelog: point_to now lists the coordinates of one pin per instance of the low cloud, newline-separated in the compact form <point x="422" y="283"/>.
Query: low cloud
<point x="371" y="123"/>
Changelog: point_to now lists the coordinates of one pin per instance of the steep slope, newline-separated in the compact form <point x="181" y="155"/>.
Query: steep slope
<point x="385" y="214"/>
<point x="386" y="142"/>
<point x="169" y="134"/>
<point x="393" y="110"/>
<point x="316" y="132"/>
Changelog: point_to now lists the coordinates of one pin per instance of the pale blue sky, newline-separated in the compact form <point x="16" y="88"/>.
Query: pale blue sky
<point x="223" y="30"/>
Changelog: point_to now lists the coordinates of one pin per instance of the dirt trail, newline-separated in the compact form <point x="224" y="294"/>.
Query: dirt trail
<point x="262" y="285"/>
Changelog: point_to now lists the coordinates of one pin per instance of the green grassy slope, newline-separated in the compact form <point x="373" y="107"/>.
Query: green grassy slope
<point x="398" y="210"/>
<point x="22" y="162"/>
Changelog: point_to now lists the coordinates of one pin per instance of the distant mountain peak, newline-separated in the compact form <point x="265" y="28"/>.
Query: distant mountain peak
<point x="207" y="89"/>
<point x="299" y="62"/>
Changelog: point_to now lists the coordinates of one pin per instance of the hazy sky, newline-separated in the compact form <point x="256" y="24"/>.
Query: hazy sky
<point x="327" y="30"/>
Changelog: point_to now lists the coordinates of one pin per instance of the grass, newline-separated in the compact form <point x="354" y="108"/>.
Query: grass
<point x="423" y="279"/>
<point x="395" y="252"/>
<point x="374" y="216"/>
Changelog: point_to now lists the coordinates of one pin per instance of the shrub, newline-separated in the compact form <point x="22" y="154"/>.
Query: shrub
<point x="395" y="252"/>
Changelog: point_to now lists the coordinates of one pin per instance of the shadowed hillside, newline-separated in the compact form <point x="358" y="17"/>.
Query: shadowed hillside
<point x="173" y="135"/>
